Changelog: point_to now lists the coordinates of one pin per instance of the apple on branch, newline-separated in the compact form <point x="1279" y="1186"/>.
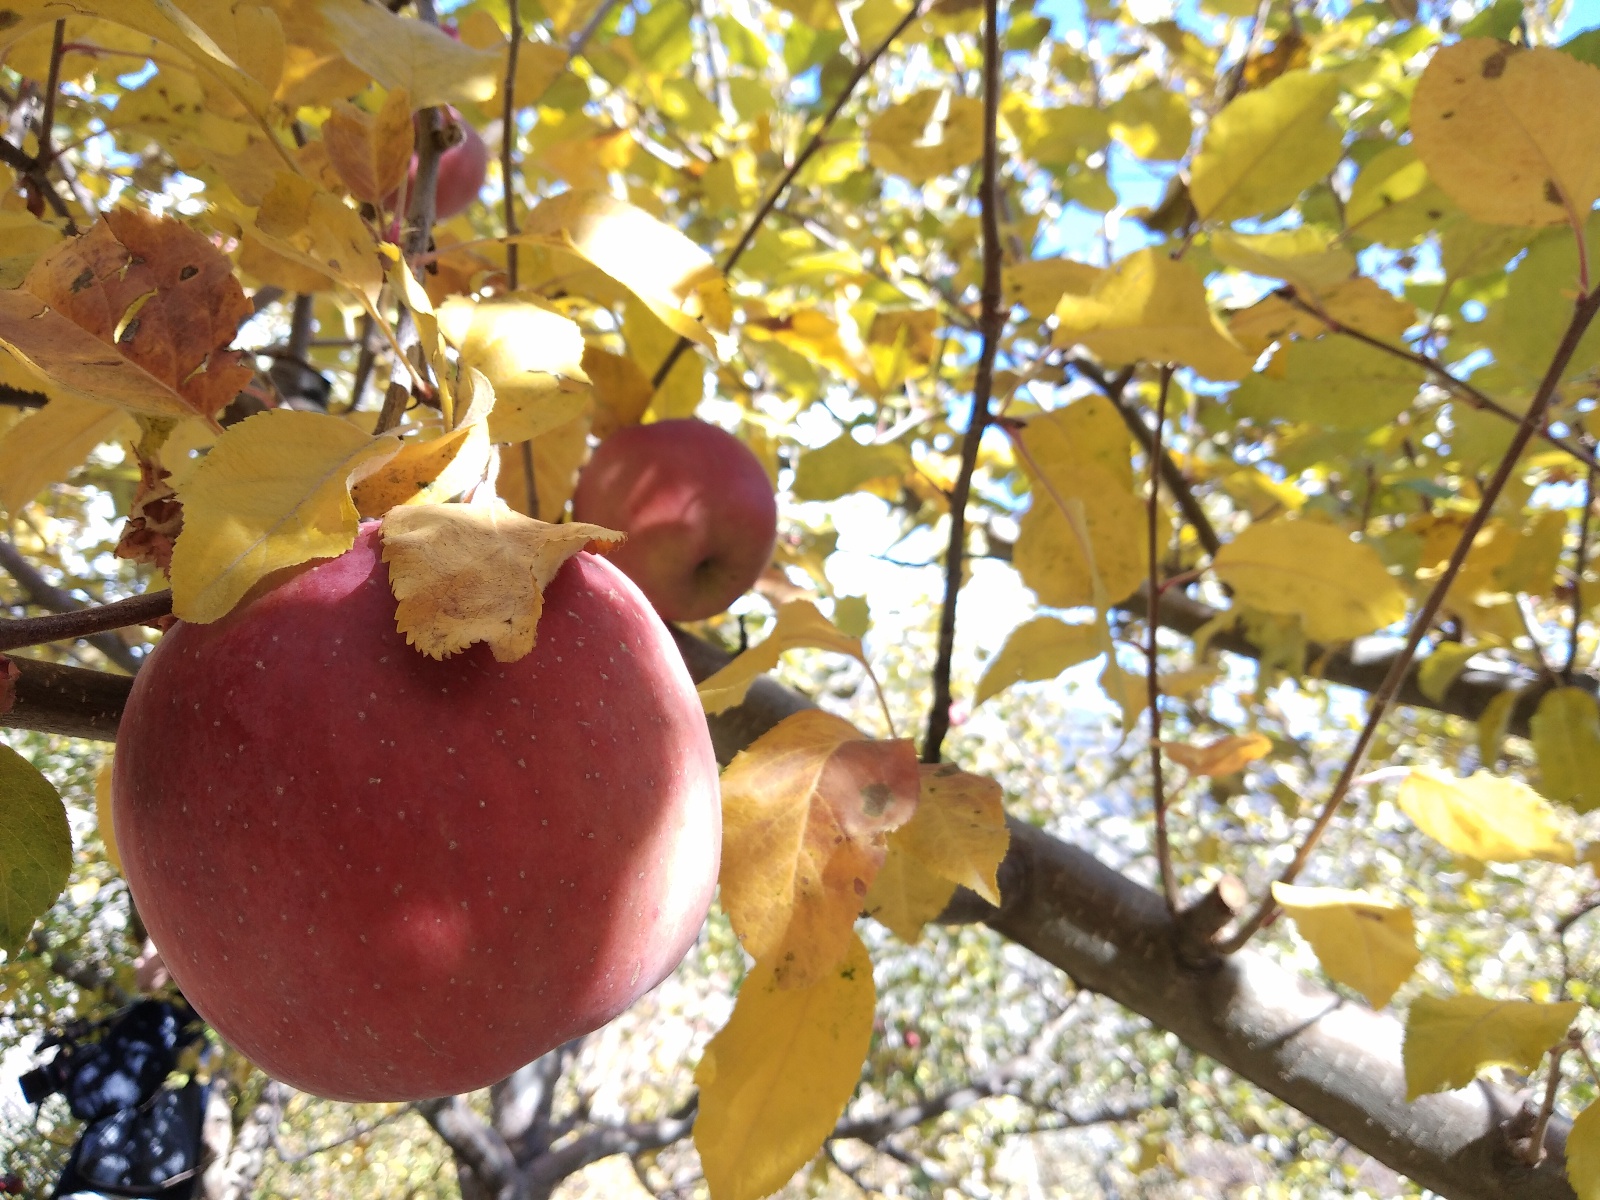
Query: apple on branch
<point x="387" y="876"/>
<point x="697" y="507"/>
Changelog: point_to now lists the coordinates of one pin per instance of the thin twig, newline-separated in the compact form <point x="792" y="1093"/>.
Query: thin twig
<point x="508" y="145"/>
<point x="1532" y="1150"/>
<point x="42" y="592"/>
<point x="1158" y="792"/>
<point x="1580" y="564"/>
<point x="1583" y="314"/>
<point x="811" y="147"/>
<point x="47" y="116"/>
<point x="991" y="321"/>
<point x="80" y="623"/>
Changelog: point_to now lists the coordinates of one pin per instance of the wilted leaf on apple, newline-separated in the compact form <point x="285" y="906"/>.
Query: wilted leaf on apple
<point x="1222" y="757"/>
<point x="47" y="444"/>
<point x="804" y="814"/>
<point x="531" y="354"/>
<point x="776" y="1078"/>
<point x="272" y="493"/>
<point x="1449" y="1039"/>
<point x="400" y="53"/>
<point x="1361" y="942"/>
<point x="136" y="313"/>
<point x="466" y="573"/>
<point x="676" y="279"/>
<point x="1485" y="817"/>
<point x="316" y="229"/>
<point x="1037" y="649"/>
<point x="437" y="465"/>
<point x="799" y="624"/>
<point x="35" y="848"/>
<point x="371" y="151"/>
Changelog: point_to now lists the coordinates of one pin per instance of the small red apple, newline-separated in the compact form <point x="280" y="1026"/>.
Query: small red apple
<point x="386" y="877"/>
<point x="697" y="507"/>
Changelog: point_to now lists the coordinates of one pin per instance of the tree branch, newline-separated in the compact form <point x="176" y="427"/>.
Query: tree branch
<point x="476" y="1145"/>
<point x="991" y="321"/>
<point x="84" y="622"/>
<point x="42" y="592"/>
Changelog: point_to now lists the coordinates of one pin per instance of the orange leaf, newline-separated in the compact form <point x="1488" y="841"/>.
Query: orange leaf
<point x="135" y="313"/>
<point x="370" y="152"/>
<point x="804" y="814"/>
<point x="1221" y="757"/>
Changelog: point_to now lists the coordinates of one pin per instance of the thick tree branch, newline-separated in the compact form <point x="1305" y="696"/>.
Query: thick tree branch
<point x="476" y="1146"/>
<point x="51" y="698"/>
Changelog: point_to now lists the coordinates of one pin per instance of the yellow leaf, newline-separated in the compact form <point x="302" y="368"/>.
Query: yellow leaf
<point x="777" y="1077"/>
<point x="958" y="830"/>
<point x="371" y="152"/>
<point x="1338" y="383"/>
<point x="135" y="313"/>
<point x="1442" y="668"/>
<point x="1338" y="588"/>
<point x="804" y="814"/>
<point x="399" y="52"/>
<point x="1148" y="308"/>
<point x="466" y="573"/>
<point x="1484" y="817"/>
<point x="1266" y="147"/>
<point x="532" y="355"/>
<point x="45" y="445"/>
<point x="1359" y="304"/>
<point x="1449" y="1039"/>
<point x="1129" y="692"/>
<point x="906" y="895"/>
<point x="1583" y="1153"/>
<point x="1226" y="756"/>
<point x="1039" y="649"/>
<point x="316" y="229"/>
<point x="1485" y="121"/>
<point x="845" y="465"/>
<point x="675" y="278"/>
<point x="23" y="238"/>
<point x="1152" y="122"/>
<point x="1363" y="943"/>
<point x="427" y="471"/>
<point x="932" y="133"/>
<point x="102" y="812"/>
<point x="539" y="65"/>
<point x="1307" y="257"/>
<point x="1566" y="740"/>
<point x="556" y="458"/>
<point x="1039" y="285"/>
<point x="273" y="492"/>
<point x="621" y="390"/>
<point x="799" y="624"/>
<point x="1392" y="200"/>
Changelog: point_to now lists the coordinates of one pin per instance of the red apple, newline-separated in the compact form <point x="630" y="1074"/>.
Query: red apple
<point x="697" y="507"/>
<point x="386" y="877"/>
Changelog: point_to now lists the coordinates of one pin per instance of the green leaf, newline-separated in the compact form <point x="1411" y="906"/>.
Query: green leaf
<point x="35" y="848"/>
<point x="1566" y="740"/>
<point x="1449" y="1039"/>
<point x="1266" y="147"/>
<point x="844" y="465"/>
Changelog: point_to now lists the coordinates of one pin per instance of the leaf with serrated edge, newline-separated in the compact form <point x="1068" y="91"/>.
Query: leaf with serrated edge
<point x="777" y="1077"/>
<point x="1361" y="942"/>
<point x="1484" y="817"/>
<point x="35" y="848"/>
<point x="1449" y="1039"/>
<point x="799" y="624"/>
<point x="804" y="813"/>
<point x="466" y="573"/>
<point x="273" y="492"/>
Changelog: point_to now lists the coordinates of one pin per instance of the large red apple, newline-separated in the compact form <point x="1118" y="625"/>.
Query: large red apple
<point x="385" y="877"/>
<point x="697" y="507"/>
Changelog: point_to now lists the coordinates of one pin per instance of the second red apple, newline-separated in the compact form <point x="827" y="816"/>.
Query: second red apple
<point x="697" y="507"/>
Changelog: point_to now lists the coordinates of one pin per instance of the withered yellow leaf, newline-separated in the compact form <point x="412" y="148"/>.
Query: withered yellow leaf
<point x="1484" y="817"/>
<point x="906" y="895"/>
<point x="1222" y="757"/>
<point x="555" y="458"/>
<point x="676" y="279"/>
<point x="466" y="573"/>
<point x="273" y="492"/>
<point x="1483" y="121"/>
<point x="959" y="829"/>
<point x="1338" y="588"/>
<point x="799" y="624"/>
<point x="776" y="1078"/>
<point x="1150" y="308"/>
<point x="804" y="814"/>
<point x="1361" y="942"/>
<point x="1449" y="1039"/>
<point x="371" y="151"/>
<point x="134" y="313"/>
<point x="1039" y="649"/>
<point x="398" y="52"/>
<point x="532" y="355"/>
<point x="45" y="445"/>
<point x="1266" y="147"/>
